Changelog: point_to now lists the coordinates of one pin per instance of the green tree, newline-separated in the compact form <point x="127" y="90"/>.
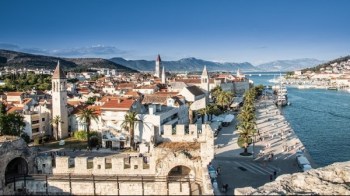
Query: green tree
<point x="11" y="124"/>
<point x="86" y="115"/>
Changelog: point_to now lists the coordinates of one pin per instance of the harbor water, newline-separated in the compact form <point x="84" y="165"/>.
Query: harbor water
<point x="320" y="118"/>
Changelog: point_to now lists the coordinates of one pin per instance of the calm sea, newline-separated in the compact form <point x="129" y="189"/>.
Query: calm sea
<point x="320" y="118"/>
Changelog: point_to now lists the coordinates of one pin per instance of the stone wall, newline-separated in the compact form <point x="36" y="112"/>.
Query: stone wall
<point x="330" y="180"/>
<point x="154" y="173"/>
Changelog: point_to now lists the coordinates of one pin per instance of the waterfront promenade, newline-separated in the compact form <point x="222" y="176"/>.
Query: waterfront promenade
<point x="275" y="136"/>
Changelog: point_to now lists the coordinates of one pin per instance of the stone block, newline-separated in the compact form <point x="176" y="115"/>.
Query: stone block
<point x="168" y="130"/>
<point x="180" y="130"/>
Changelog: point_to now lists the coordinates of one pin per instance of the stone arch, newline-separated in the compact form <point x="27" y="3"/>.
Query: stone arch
<point x="16" y="167"/>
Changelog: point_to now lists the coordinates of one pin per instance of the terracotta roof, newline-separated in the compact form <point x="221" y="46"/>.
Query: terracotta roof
<point x="58" y="73"/>
<point x="15" y="109"/>
<point x="125" y="86"/>
<point x="133" y="94"/>
<point x="15" y="93"/>
<point x="26" y="101"/>
<point x="73" y="103"/>
<point x="96" y="108"/>
<point x="118" y="104"/>
<point x="154" y="99"/>
<point x="166" y="94"/>
<point x="107" y="98"/>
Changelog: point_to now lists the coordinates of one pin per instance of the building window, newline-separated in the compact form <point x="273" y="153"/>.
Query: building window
<point x="36" y="130"/>
<point x="43" y="119"/>
<point x="35" y="122"/>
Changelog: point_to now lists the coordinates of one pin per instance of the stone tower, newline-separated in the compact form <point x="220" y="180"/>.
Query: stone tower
<point x="163" y="76"/>
<point x="158" y="64"/>
<point x="205" y="81"/>
<point x="59" y="100"/>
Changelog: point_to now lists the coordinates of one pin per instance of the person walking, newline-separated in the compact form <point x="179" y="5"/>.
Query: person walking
<point x="271" y="177"/>
<point x="218" y="170"/>
<point x="275" y="174"/>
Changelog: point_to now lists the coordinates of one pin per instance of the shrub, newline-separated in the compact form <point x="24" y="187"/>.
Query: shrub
<point x="80" y="135"/>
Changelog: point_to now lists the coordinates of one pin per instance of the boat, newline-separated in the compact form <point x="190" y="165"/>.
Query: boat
<point x="259" y="74"/>
<point x="332" y="88"/>
<point x="281" y="95"/>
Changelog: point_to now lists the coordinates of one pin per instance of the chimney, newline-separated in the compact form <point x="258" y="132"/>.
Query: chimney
<point x="119" y="100"/>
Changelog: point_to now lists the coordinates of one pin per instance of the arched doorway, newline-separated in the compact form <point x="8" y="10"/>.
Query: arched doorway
<point x="17" y="167"/>
<point x="180" y="172"/>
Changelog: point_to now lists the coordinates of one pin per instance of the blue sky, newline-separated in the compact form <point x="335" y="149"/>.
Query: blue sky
<point x="226" y="30"/>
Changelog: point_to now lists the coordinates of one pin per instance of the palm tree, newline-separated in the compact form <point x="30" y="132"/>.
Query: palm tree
<point x="224" y="98"/>
<point x="86" y="115"/>
<point x="129" y="121"/>
<point x="215" y="92"/>
<point x="55" y="123"/>
<point x="246" y="130"/>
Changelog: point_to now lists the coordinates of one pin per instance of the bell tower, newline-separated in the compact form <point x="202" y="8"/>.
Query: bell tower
<point x="205" y="81"/>
<point x="59" y="100"/>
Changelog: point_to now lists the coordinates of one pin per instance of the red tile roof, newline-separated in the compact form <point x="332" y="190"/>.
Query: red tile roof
<point x="15" y="93"/>
<point x="118" y="104"/>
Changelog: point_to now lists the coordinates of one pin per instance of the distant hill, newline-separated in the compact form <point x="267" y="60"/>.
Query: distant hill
<point x="19" y="59"/>
<point x="289" y="65"/>
<point x="325" y="64"/>
<point x="186" y="64"/>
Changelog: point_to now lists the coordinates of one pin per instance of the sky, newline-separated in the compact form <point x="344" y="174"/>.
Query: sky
<point x="255" y="31"/>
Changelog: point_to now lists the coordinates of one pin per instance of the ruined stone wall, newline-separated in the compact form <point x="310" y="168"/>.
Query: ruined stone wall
<point x="12" y="147"/>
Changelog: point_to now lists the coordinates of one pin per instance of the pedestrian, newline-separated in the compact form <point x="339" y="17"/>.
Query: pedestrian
<point x="271" y="177"/>
<point x="275" y="174"/>
<point x="225" y="187"/>
<point x="218" y="170"/>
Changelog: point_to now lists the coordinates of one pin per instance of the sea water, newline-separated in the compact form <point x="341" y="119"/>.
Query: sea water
<point x="320" y="118"/>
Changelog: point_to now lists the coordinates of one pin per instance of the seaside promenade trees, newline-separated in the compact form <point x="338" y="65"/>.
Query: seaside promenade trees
<point x="246" y="118"/>
<point x="86" y="115"/>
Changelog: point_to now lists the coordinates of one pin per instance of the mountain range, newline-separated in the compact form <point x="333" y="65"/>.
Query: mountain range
<point x="290" y="65"/>
<point x="20" y="59"/>
<point x="186" y="64"/>
<point x="193" y="64"/>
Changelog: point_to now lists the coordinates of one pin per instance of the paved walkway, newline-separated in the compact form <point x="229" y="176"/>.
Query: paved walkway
<point x="277" y="137"/>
